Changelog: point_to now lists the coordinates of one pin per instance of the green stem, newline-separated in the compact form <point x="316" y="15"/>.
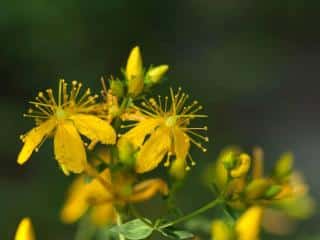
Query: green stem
<point x="199" y="211"/>
<point x="119" y="222"/>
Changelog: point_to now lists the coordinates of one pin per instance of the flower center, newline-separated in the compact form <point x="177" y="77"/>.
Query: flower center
<point x="171" y="121"/>
<point x="61" y="114"/>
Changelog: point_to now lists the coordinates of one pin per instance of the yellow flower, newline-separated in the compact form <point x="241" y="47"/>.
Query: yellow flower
<point x="25" y="230"/>
<point x="168" y="131"/>
<point x="65" y="119"/>
<point x="102" y="195"/>
<point x="134" y="72"/>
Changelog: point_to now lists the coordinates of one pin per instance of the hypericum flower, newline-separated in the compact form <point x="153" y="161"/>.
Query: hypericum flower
<point x="246" y="227"/>
<point x="167" y="126"/>
<point x="25" y="230"/>
<point x="102" y="194"/>
<point x="65" y="118"/>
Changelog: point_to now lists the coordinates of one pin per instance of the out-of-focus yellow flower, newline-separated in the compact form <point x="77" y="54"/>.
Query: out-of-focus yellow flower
<point x="103" y="193"/>
<point x="168" y="129"/>
<point x="246" y="227"/>
<point x="292" y="203"/>
<point x="221" y="231"/>
<point x="25" y="230"/>
<point x="134" y="72"/>
<point x="155" y="74"/>
<point x="249" y="224"/>
<point x="65" y="119"/>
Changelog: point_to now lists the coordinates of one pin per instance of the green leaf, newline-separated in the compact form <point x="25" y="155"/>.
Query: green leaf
<point x="183" y="234"/>
<point x="176" y="234"/>
<point x="134" y="230"/>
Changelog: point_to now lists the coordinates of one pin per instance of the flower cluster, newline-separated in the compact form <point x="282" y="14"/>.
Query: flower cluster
<point x="110" y="140"/>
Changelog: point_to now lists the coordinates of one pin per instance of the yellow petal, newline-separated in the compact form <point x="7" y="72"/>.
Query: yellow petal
<point x="99" y="190"/>
<point x="33" y="139"/>
<point x="25" y="230"/>
<point x="181" y="143"/>
<point x="134" y="72"/>
<point x="94" y="128"/>
<point x="248" y="225"/>
<point x="153" y="151"/>
<point x="103" y="214"/>
<point x="76" y="203"/>
<point x="137" y="134"/>
<point x="220" y="231"/>
<point x="69" y="149"/>
<point x="147" y="189"/>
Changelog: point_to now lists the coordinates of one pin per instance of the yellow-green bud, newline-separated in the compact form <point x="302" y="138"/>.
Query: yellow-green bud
<point x="229" y="160"/>
<point x="117" y="87"/>
<point x="134" y="72"/>
<point x="257" y="188"/>
<point x="284" y="165"/>
<point x="178" y="169"/>
<point x="154" y="75"/>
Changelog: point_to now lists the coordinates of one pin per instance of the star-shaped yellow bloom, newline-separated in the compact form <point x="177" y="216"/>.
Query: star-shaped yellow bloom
<point x="65" y="119"/>
<point x="163" y="130"/>
<point x="25" y="230"/>
<point x="102" y="194"/>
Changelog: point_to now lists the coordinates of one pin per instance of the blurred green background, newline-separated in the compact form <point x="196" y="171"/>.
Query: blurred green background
<point x="253" y="64"/>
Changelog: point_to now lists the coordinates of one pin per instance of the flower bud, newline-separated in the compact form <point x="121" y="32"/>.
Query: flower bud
<point x="257" y="188"/>
<point x="154" y="75"/>
<point x="134" y="72"/>
<point x="242" y="166"/>
<point x="229" y="160"/>
<point x="221" y="231"/>
<point x="284" y="165"/>
<point x="25" y="230"/>
<point x="248" y="225"/>
<point x="126" y="152"/>
<point x="117" y="87"/>
<point x="178" y="169"/>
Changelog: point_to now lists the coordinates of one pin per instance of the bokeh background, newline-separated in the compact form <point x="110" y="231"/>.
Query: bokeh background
<point x="253" y="64"/>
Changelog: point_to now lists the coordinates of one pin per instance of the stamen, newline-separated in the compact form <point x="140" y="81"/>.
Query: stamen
<point x="193" y="163"/>
<point x="206" y="139"/>
<point x="165" y="103"/>
<point x="197" y="144"/>
<point x="51" y="97"/>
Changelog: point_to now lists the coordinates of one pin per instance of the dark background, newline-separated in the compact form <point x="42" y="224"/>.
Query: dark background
<point x="253" y="64"/>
